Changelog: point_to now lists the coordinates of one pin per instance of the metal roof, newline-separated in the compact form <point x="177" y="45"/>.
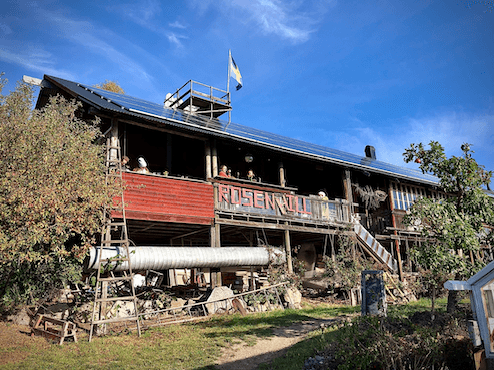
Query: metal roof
<point x="125" y="104"/>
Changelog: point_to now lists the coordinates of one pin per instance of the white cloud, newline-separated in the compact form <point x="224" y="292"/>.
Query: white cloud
<point x="175" y="39"/>
<point x="279" y="18"/>
<point x="450" y="129"/>
<point x="34" y="59"/>
<point x="177" y="24"/>
<point x="81" y="32"/>
<point x="145" y="15"/>
<point x="141" y="13"/>
<point x="291" y="20"/>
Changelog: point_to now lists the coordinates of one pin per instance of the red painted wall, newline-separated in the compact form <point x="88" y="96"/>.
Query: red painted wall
<point x="165" y="199"/>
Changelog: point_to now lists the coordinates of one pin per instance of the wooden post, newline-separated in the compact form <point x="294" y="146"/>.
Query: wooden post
<point x="207" y="148"/>
<point x="397" y="242"/>
<point x="217" y="234"/>
<point x="288" y="248"/>
<point x="347" y="188"/>
<point x="288" y="251"/>
<point x="114" y="138"/>
<point x="212" y="236"/>
<point x="281" y="171"/>
<point x="214" y="159"/>
<point x="333" y="251"/>
<point x="214" y="274"/>
<point x="103" y="308"/>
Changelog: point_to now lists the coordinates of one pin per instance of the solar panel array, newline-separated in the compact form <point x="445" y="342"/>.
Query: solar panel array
<point x="137" y="106"/>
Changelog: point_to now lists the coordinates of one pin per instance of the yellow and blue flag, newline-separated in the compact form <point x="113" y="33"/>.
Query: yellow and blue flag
<point x="235" y="73"/>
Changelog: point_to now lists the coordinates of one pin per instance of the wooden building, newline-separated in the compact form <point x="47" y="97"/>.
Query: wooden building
<point x="184" y="201"/>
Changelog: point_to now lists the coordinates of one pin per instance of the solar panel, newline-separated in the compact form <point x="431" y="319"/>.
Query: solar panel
<point x="135" y="106"/>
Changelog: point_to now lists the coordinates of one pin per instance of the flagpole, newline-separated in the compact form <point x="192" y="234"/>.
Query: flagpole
<point x="229" y="73"/>
<point x="228" y="85"/>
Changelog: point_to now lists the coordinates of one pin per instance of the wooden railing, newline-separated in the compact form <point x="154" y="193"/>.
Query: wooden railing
<point x="265" y="201"/>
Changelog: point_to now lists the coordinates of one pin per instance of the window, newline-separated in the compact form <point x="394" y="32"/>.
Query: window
<point x="405" y="195"/>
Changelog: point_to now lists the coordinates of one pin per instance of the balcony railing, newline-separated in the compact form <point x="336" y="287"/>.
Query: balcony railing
<point x="267" y="202"/>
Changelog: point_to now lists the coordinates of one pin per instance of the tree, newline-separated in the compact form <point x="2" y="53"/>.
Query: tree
<point x="454" y="225"/>
<point x="112" y="86"/>
<point x="52" y="194"/>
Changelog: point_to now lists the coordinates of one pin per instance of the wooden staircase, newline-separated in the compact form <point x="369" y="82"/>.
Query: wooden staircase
<point x="374" y="248"/>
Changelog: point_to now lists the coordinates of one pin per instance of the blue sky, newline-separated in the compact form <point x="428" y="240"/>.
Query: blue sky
<point x="343" y="74"/>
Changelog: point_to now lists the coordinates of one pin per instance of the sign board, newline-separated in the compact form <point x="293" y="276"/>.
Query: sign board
<point x="240" y="199"/>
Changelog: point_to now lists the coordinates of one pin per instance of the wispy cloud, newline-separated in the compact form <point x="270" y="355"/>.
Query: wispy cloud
<point x="34" y="59"/>
<point x="177" y="24"/>
<point x="291" y="20"/>
<point x="81" y="32"/>
<point x="450" y="129"/>
<point x="294" y="21"/>
<point x="142" y="13"/>
<point x="175" y="39"/>
<point x="146" y="15"/>
<point x="279" y="18"/>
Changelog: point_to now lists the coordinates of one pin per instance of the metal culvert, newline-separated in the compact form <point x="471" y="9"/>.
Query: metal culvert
<point x="163" y="258"/>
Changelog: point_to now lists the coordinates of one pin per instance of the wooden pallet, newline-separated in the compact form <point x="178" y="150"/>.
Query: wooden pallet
<point x="55" y="329"/>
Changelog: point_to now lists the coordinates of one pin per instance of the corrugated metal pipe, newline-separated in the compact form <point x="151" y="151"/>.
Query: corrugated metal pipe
<point x="162" y="258"/>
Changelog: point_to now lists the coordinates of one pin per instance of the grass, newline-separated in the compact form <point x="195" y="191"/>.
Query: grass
<point x="191" y="346"/>
<point x="317" y="340"/>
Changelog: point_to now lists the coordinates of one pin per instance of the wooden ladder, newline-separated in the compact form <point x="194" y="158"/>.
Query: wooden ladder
<point x="113" y="286"/>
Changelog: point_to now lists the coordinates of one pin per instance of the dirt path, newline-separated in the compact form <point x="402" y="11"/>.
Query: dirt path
<point x="244" y="357"/>
<point x="16" y="341"/>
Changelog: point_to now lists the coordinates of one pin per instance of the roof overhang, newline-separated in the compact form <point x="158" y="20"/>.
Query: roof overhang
<point x="124" y="105"/>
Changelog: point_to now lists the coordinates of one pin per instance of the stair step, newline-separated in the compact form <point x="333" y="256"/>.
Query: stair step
<point x="373" y="245"/>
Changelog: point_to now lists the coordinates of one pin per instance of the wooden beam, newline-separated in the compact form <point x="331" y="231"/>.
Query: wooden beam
<point x="173" y="131"/>
<point x="347" y="187"/>
<point x="282" y="227"/>
<point x="288" y="251"/>
<point x="281" y="171"/>
<point x="207" y="148"/>
<point x="188" y="234"/>
<point x="214" y="153"/>
<point x="397" y="242"/>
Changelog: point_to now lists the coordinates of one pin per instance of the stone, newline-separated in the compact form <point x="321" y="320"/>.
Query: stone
<point x="293" y="297"/>
<point x="177" y="303"/>
<point x="122" y="309"/>
<point x="219" y="293"/>
<point x="20" y="318"/>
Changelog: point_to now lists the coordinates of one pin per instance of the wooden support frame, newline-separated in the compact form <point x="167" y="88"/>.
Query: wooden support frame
<point x="396" y="242"/>
<point x="52" y="328"/>
<point x="283" y="226"/>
